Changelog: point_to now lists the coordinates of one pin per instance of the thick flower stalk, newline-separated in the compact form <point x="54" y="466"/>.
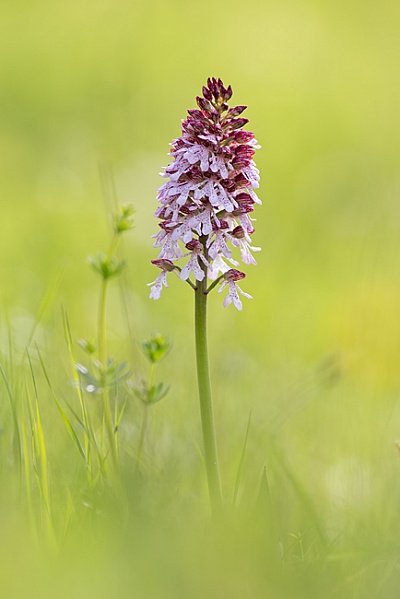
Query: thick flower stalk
<point x="205" y="205"/>
<point x="204" y="216"/>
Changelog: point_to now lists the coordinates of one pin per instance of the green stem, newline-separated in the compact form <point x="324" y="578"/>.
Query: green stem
<point x="102" y="345"/>
<point x="102" y="349"/>
<point x="110" y="427"/>
<point x="102" y="307"/>
<point x="145" y="419"/>
<point x="206" y="406"/>
<point x="143" y="431"/>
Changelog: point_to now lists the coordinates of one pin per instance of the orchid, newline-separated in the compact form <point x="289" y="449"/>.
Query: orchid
<point x="205" y="225"/>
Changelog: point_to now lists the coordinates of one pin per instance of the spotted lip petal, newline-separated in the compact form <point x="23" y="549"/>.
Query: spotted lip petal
<point x="205" y="203"/>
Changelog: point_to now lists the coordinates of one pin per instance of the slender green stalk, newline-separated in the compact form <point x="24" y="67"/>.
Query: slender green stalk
<point x="206" y="406"/>
<point x="143" y="430"/>
<point x="102" y="344"/>
<point x="102" y="348"/>
<point x="145" y="419"/>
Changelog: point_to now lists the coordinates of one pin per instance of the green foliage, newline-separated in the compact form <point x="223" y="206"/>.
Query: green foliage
<point x="150" y="394"/>
<point x="123" y="219"/>
<point x="111" y="375"/>
<point x="88" y="345"/>
<point x="155" y="348"/>
<point x="106" y="267"/>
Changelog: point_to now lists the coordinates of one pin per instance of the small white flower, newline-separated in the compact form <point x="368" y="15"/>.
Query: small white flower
<point x="192" y="266"/>
<point x="157" y="285"/>
<point x="233" y="294"/>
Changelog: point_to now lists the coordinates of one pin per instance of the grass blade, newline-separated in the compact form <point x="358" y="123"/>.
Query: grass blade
<point x="241" y="463"/>
<point x="68" y="425"/>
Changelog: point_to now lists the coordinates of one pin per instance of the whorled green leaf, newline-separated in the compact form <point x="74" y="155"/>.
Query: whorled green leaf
<point x="155" y="348"/>
<point x="150" y="394"/>
<point x="106" y="267"/>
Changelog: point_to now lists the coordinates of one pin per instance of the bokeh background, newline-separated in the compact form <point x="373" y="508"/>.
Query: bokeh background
<point x="93" y="92"/>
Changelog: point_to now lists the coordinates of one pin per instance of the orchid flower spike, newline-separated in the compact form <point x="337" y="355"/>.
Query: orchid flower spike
<point x="206" y="203"/>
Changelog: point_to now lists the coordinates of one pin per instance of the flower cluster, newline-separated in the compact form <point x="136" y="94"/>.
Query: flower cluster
<point x="205" y="205"/>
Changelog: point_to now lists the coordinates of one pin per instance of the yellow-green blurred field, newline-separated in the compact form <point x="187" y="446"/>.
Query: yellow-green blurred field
<point x="91" y="91"/>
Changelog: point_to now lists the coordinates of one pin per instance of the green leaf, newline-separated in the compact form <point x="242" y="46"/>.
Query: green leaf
<point x="155" y="348"/>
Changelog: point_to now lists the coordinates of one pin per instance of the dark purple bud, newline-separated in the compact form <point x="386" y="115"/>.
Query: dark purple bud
<point x="222" y="90"/>
<point x="194" y="246"/>
<point x="204" y="104"/>
<point x="232" y="275"/>
<point x="238" y="232"/>
<point x="236" y="111"/>
<point x="240" y="163"/>
<point x="195" y="126"/>
<point x="213" y="85"/>
<point x="237" y="123"/>
<point x="243" y="156"/>
<point x="244" y="150"/>
<point x="167" y="225"/>
<point x="227" y="140"/>
<point x="165" y="265"/>
<point x="241" y="181"/>
<point x="244" y="198"/>
<point x="243" y="136"/>
<point x="229" y="184"/>
<point x="195" y="174"/>
<point x="228" y="94"/>
<point x="197" y="114"/>
<point x="245" y="204"/>
<point x="243" y="209"/>
<point x="187" y="208"/>
<point x="207" y="93"/>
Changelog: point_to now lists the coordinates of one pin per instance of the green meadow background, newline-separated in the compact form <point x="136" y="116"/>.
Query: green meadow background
<point x="91" y="94"/>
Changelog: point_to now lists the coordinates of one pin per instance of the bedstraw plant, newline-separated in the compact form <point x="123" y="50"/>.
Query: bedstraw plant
<point x="102" y="378"/>
<point x="204" y="214"/>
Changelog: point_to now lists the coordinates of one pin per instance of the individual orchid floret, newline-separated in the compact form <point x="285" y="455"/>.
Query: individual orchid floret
<point x="230" y="278"/>
<point x="206" y="202"/>
<point x="157" y="285"/>
<point x="193" y="265"/>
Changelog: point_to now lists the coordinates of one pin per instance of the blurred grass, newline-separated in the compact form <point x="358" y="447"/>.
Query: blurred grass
<point x="85" y="87"/>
